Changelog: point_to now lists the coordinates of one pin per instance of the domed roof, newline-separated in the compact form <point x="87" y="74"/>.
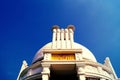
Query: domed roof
<point x="86" y="53"/>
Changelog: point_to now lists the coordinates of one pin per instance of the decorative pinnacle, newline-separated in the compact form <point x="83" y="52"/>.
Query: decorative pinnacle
<point x="71" y="27"/>
<point x="55" y="27"/>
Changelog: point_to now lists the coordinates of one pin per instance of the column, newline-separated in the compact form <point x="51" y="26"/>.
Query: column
<point x="54" y="37"/>
<point x="82" y="77"/>
<point x="71" y="38"/>
<point x="62" y="39"/>
<point x="45" y="77"/>
<point x="68" y="46"/>
<point x="58" y="39"/>
<point x="46" y="71"/>
<point x="80" y="71"/>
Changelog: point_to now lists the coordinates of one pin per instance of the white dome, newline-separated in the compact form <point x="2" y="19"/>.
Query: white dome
<point x="86" y="53"/>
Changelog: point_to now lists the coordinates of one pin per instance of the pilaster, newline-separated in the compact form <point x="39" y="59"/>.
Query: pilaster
<point x="47" y="56"/>
<point x="78" y="56"/>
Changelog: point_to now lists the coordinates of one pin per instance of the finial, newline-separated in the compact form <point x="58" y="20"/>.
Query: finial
<point x="71" y="27"/>
<point x="55" y="27"/>
<point x="25" y="63"/>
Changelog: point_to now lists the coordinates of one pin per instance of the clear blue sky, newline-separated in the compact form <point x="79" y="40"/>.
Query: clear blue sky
<point x="25" y="26"/>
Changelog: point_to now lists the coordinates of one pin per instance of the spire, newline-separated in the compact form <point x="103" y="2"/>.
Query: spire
<point x="108" y="64"/>
<point x="63" y="38"/>
<point x="24" y="66"/>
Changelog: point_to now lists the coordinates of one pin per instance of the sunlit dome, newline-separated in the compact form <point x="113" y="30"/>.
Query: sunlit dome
<point x="63" y="58"/>
<point x="86" y="53"/>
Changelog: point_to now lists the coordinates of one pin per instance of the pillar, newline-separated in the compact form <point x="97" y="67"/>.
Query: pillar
<point x="67" y="38"/>
<point x="46" y="71"/>
<point x="71" y="38"/>
<point x="62" y="39"/>
<point x="58" y="39"/>
<point x="45" y="77"/>
<point x="54" y="37"/>
<point x="81" y="71"/>
<point x="82" y="77"/>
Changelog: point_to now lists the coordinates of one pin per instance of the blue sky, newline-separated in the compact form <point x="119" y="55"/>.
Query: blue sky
<point x="25" y="26"/>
